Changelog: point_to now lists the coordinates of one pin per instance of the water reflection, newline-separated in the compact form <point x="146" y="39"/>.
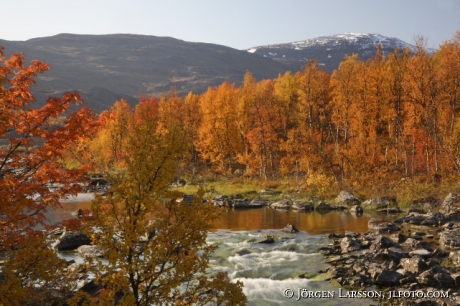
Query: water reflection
<point x="254" y="219"/>
<point x="311" y="222"/>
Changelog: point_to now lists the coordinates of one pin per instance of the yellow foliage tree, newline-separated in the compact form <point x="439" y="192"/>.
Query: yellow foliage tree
<point x="155" y="246"/>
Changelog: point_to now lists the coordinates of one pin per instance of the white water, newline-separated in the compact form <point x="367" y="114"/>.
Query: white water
<point x="269" y="269"/>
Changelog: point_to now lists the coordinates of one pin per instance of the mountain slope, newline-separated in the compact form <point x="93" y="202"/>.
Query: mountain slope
<point x="106" y="68"/>
<point x="329" y="50"/>
<point x="124" y="64"/>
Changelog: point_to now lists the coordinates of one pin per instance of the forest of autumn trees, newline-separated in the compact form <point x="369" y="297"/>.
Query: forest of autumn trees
<point x="391" y="117"/>
<point x="167" y="268"/>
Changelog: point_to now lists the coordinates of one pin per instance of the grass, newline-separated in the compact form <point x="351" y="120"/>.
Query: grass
<point x="247" y="188"/>
<point x="226" y="186"/>
<point x="405" y="190"/>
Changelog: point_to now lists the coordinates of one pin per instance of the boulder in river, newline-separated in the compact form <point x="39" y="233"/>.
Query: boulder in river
<point x="303" y="206"/>
<point x="324" y="207"/>
<point x="356" y="209"/>
<point x="72" y="240"/>
<point x="90" y="251"/>
<point x="346" y="198"/>
<point x="450" y="238"/>
<point x="349" y="244"/>
<point x="282" y="204"/>
<point x="379" y="203"/>
<point x="414" y="265"/>
<point x="382" y="226"/>
<point x="450" y="203"/>
<point x="289" y="228"/>
<point x="383" y="242"/>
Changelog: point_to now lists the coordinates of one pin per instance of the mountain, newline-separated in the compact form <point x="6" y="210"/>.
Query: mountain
<point x="329" y="50"/>
<point x="104" y="68"/>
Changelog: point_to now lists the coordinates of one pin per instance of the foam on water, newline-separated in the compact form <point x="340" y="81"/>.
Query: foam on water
<point x="266" y="270"/>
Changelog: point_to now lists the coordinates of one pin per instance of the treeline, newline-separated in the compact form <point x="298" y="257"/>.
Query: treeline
<point x="393" y="116"/>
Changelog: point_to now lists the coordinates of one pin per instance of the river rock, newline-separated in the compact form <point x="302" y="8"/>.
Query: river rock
<point x="258" y="202"/>
<point x="222" y="201"/>
<point x="382" y="226"/>
<point x="247" y="203"/>
<point x="270" y="192"/>
<point x="72" y="240"/>
<point x="436" y="276"/>
<point x="283" y="204"/>
<point x="454" y="258"/>
<point x="391" y="254"/>
<point x="414" y="265"/>
<point x="389" y="210"/>
<point x="356" y="209"/>
<point x="383" y="242"/>
<point x="379" y="203"/>
<point x="388" y="278"/>
<point x="449" y="203"/>
<point x="450" y="239"/>
<point x="268" y="240"/>
<point x="76" y="268"/>
<point x="398" y="238"/>
<point x="243" y="252"/>
<point x="289" y="228"/>
<point x="420" y="253"/>
<point x="348" y="244"/>
<point x="456" y="277"/>
<point x="346" y="198"/>
<point x="90" y="251"/>
<point x="303" y="206"/>
<point x="425" y="204"/>
<point x="439" y="253"/>
<point x="323" y="207"/>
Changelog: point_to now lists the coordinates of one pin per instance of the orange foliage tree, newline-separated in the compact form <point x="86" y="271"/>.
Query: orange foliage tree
<point x="161" y="260"/>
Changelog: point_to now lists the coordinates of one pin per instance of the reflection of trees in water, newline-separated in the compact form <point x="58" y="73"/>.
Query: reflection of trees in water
<point x="311" y="222"/>
<point x="65" y="211"/>
<point x="263" y="218"/>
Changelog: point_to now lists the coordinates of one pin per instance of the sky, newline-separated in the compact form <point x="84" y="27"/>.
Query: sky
<point x="240" y="24"/>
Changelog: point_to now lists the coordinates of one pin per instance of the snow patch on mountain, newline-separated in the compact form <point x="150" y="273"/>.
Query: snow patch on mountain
<point x="360" y="40"/>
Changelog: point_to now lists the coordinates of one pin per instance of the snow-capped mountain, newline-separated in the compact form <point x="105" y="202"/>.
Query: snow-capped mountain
<point x="330" y="50"/>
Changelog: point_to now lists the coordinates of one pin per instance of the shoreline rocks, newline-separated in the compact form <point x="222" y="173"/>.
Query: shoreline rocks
<point x="72" y="240"/>
<point x="401" y="261"/>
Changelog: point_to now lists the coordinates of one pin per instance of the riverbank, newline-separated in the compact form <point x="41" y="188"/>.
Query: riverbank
<point x="399" y="256"/>
<point x="415" y="260"/>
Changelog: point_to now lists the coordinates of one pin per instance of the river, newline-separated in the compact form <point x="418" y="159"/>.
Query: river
<point x="270" y="271"/>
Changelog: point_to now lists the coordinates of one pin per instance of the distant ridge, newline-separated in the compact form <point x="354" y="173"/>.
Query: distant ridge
<point x="329" y="50"/>
<point x="102" y="67"/>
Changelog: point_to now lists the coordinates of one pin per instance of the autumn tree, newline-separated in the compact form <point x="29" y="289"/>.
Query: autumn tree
<point x="307" y="149"/>
<point x="219" y="139"/>
<point x="394" y="111"/>
<point x="263" y="135"/>
<point x="192" y="121"/>
<point x="156" y="246"/>
<point x="32" y="143"/>
<point x="448" y="74"/>
<point x="345" y="111"/>
<point x="424" y="111"/>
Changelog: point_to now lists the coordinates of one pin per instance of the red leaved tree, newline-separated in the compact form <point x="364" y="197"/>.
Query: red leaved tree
<point x="33" y="138"/>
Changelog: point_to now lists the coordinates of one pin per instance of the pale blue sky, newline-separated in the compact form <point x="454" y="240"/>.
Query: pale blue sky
<point x="239" y="24"/>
